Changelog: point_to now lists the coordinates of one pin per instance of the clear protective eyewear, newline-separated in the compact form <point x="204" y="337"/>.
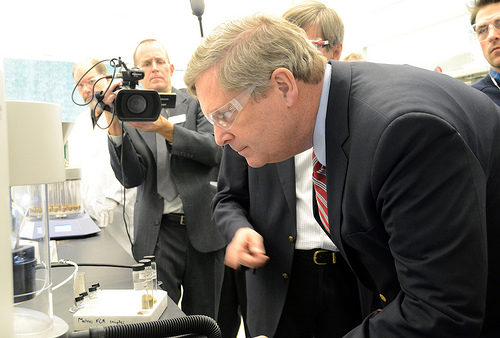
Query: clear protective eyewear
<point x="482" y="29"/>
<point x="89" y="83"/>
<point x="320" y="44"/>
<point x="226" y="115"/>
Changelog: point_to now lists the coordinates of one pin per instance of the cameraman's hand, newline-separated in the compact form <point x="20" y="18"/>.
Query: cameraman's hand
<point x="107" y="212"/>
<point x="114" y="129"/>
<point x="161" y="126"/>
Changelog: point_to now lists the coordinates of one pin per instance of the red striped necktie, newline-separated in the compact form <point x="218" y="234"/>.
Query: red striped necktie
<point x="319" y="182"/>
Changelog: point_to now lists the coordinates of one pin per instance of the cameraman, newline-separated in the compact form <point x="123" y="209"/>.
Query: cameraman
<point x="172" y="161"/>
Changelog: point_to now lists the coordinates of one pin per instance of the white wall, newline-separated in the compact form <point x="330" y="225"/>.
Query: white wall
<point x="66" y="30"/>
<point x="424" y="33"/>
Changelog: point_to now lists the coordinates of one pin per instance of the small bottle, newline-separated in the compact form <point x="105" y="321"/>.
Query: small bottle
<point x="92" y="292"/>
<point x="155" y="276"/>
<point x="79" y="283"/>
<point x="97" y="287"/>
<point x="139" y="279"/>
<point x="138" y="276"/>
<point x="149" y="281"/>
<point x="86" y="297"/>
<point x="79" y="304"/>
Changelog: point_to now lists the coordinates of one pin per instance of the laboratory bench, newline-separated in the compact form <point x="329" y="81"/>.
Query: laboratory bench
<point x="110" y="261"/>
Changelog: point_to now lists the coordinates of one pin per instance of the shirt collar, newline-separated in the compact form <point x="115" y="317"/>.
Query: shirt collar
<point x="495" y="74"/>
<point x="319" y="142"/>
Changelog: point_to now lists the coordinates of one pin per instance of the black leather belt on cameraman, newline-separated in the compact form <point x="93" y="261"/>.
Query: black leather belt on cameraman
<point x="317" y="256"/>
<point x="178" y="218"/>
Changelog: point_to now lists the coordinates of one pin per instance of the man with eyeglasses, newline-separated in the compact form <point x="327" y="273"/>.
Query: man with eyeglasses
<point x="485" y="21"/>
<point x="88" y="150"/>
<point x="171" y="161"/>
<point x="301" y="273"/>
<point x="409" y="174"/>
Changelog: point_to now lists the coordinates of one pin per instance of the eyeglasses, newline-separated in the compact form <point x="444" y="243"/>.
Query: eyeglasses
<point x="320" y="44"/>
<point x="89" y="83"/>
<point x="226" y="115"/>
<point x="482" y="29"/>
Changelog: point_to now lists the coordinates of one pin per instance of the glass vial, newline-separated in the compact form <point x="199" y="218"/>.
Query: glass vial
<point x="79" y="303"/>
<point x="155" y="276"/>
<point x="92" y="292"/>
<point x="86" y="297"/>
<point x="97" y="287"/>
<point x="149" y="281"/>
<point x="140" y="286"/>
<point x="79" y="283"/>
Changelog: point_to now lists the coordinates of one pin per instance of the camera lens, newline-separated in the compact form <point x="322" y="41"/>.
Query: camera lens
<point x="137" y="104"/>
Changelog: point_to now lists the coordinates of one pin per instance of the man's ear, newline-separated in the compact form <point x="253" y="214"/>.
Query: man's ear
<point x="286" y="84"/>
<point x="336" y="52"/>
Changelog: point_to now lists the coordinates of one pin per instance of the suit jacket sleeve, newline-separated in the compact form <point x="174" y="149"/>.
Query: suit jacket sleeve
<point x="127" y="158"/>
<point x="425" y="229"/>
<point x="195" y="140"/>
<point x="231" y="204"/>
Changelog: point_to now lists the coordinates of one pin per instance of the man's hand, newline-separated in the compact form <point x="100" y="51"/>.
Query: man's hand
<point x="109" y="98"/>
<point x="246" y="249"/>
<point x="161" y="126"/>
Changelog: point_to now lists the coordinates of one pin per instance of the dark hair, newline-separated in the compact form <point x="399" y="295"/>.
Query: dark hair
<point x="476" y="6"/>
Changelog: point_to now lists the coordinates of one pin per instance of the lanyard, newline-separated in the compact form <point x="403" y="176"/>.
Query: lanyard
<point x="493" y="79"/>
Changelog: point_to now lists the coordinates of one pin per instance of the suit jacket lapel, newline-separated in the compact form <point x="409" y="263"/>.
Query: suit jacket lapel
<point x="286" y="173"/>
<point x="180" y="105"/>
<point x="180" y="108"/>
<point x="337" y="132"/>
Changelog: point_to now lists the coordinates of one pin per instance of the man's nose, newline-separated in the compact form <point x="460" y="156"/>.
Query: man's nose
<point x="492" y="32"/>
<point x="222" y="136"/>
<point x="85" y="90"/>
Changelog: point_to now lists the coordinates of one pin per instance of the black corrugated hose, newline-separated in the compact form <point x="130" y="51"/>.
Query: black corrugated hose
<point x="199" y="324"/>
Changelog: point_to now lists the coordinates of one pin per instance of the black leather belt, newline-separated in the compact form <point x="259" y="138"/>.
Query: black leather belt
<point x="178" y="218"/>
<point x="317" y="256"/>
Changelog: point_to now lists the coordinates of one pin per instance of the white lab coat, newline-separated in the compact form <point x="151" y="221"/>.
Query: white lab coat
<point x="88" y="150"/>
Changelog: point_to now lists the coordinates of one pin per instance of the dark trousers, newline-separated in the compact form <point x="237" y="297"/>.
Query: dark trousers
<point x="199" y="274"/>
<point x="233" y="304"/>
<point x="322" y="301"/>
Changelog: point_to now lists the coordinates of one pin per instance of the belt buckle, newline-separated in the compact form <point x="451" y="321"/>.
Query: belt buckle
<point x="315" y="257"/>
<point x="182" y="220"/>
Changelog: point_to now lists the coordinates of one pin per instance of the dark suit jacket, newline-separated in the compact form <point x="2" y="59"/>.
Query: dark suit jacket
<point x="262" y="199"/>
<point x="413" y="178"/>
<point x="195" y="155"/>
<point x="488" y="87"/>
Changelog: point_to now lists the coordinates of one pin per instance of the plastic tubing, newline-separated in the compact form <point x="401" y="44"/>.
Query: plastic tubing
<point x="199" y="324"/>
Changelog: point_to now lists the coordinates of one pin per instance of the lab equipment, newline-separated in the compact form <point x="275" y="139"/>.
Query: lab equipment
<point x="35" y="129"/>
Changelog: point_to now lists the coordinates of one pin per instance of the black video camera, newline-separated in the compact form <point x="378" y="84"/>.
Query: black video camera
<point x="139" y="105"/>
